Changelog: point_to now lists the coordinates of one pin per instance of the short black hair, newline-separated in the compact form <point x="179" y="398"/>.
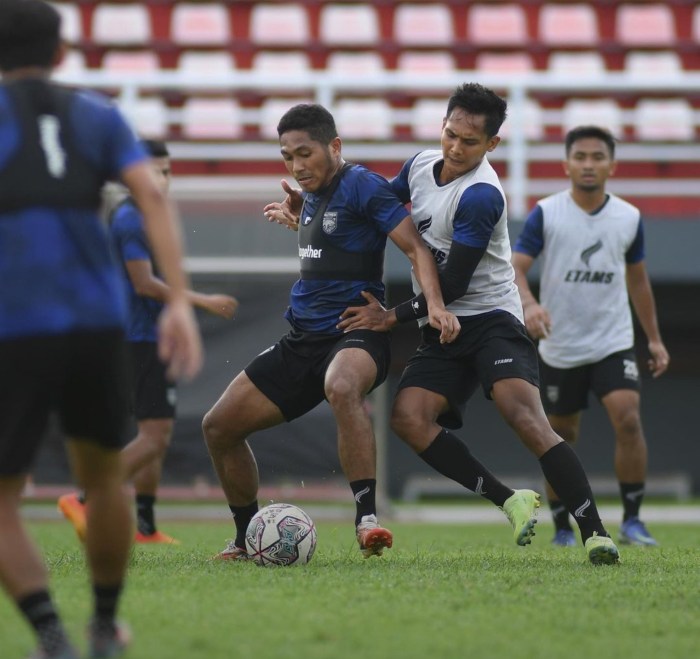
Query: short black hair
<point x="479" y="100"/>
<point x="311" y="118"/>
<point x="582" y="132"/>
<point x="30" y="34"/>
<point x="156" y="148"/>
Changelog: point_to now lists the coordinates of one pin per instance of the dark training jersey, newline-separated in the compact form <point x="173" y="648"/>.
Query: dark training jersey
<point x="342" y="252"/>
<point x="57" y="149"/>
<point x="130" y="242"/>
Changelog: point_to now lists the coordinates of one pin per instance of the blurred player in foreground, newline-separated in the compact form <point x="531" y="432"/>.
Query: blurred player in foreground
<point x="346" y="214"/>
<point x="62" y="332"/>
<point x="459" y="207"/>
<point x="592" y="246"/>
<point x="153" y="393"/>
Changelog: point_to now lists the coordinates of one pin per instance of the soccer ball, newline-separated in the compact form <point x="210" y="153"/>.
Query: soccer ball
<point x="281" y="534"/>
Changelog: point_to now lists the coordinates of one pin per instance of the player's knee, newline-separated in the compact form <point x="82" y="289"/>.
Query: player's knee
<point x="628" y="425"/>
<point x="407" y="423"/>
<point x="342" y="393"/>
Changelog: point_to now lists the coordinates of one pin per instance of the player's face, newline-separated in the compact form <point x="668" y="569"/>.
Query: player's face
<point x="161" y="168"/>
<point x="311" y="163"/>
<point x="589" y="164"/>
<point x="464" y="143"/>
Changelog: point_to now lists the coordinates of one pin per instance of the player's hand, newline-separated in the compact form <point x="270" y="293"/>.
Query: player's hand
<point x="287" y="211"/>
<point x="537" y="321"/>
<point x="659" y="361"/>
<point x="222" y="305"/>
<point x="179" y="342"/>
<point x="371" y="316"/>
<point x="446" y="322"/>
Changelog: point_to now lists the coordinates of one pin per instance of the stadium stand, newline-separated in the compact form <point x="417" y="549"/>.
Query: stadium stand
<point x="349" y="25"/>
<point x="200" y="24"/>
<point x="423" y="25"/>
<point x="125" y="24"/>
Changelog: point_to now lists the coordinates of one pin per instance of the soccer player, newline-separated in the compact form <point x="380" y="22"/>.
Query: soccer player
<point x="153" y="393"/>
<point x="459" y="207"/>
<point x="62" y="331"/>
<point x="346" y="214"/>
<point x="592" y="248"/>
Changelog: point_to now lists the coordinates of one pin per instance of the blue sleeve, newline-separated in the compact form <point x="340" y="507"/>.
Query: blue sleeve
<point x="478" y="212"/>
<point x="105" y="137"/>
<point x="129" y="235"/>
<point x="635" y="253"/>
<point x="531" y="240"/>
<point x="9" y="130"/>
<point x="380" y="202"/>
<point x="399" y="184"/>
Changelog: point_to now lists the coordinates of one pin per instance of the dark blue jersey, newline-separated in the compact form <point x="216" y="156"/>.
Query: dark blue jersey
<point x="131" y="244"/>
<point x="57" y="148"/>
<point x="358" y="217"/>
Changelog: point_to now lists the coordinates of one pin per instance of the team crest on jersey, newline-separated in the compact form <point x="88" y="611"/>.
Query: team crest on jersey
<point x="330" y="222"/>
<point x="552" y="393"/>
<point x="590" y="251"/>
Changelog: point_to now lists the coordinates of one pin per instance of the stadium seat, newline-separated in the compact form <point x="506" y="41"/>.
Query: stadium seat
<point x="279" y="24"/>
<point x="345" y="25"/>
<point x="72" y="62"/>
<point x="696" y="25"/>
<point x="149" y="117"/>
<point x="271" y="112"/>
<point x="438" y="62"/>
<point x="200" y="24"/>
<point x="363" y="119"/>
<point x="568" y="25"/>
<point x="600" y="112"/>
<point x="355" y="64"/>
<point x="645" y="25"/>
<point x="211" y="118"/>
<point x="565" y="62"/>
<point x="130" y="61"/>
<point x="497" y="25"/>
<point x="117" y="24"/>
<point x="423" y="25"/>
<point x="71" y="22"/>
<point x="426" y="119"/>
<point x="203" y="63"/>
<point x="532" y="121"/>
<point x="270" y="62"/>
<point x="658" y="63"/>
<point x="664" y="119"/>
<point x="503" y="62"/>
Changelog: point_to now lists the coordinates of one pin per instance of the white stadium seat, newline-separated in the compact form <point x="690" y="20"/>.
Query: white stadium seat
<point x="423" y="25"/>
<point x="211" y="118"/>
<point x="116" y="24"/>
<point x="438" y="62"/>
<point x="568" y="25"/>
<point x="273" y="62"/>
<point x="503" y="62"/>
<point x="498" y="24"/>
<point x="279" y="24"/>
<point x="205" y="63"/>
<point x="645" y="25"/>
<point x="359" y="119"/>
<point x="149" y="117"/>
<point x="599" y="112"/>
<point x="200" y="24"/>
<point x="355" y="64"/>
<point x="71" y="22"/>
<point x="271" y="112"/>
<point x="586" y="62"/>
<point x="664" y="119"/>
<point x="130" y="61"/>
<point x="349" y="24"/>
<point x="426" y="119"/>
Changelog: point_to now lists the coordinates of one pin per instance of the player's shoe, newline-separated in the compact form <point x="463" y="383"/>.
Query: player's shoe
<point x="66" y="653"/>
<point x="73" y="510"/>
<point x="372" y="538"/>
<point x="633" y="532"/>
<point x="101" y="646"/>
<point x="601" y="550"/>
<point x="157" y="538"/>
<point x="232" y="552"/>
<point x="564" y="538"/>
<point x="521" y="509"/>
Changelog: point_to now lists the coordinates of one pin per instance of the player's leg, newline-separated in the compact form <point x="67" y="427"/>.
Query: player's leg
<point x="350" y="375"/>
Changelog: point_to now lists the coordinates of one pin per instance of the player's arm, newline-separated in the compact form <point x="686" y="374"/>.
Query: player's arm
<point x="147" y="284"/>
<point x="642" y="297"/>
<point x="179" y="340"/>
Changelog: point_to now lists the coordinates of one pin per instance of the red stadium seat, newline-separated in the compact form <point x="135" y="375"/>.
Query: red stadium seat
<point x="423" y="24"/>
<point x="645" y="25"/>
<point x="497" y="25"/>
<point x="568" y="25"/>
<point x="118" y="24"/>
<point x="200" y="24"/>
<point x="279" y="24"/>
<point x="349" y="24"/>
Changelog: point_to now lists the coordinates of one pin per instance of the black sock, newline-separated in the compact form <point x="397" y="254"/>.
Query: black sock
<point x="241" y="517"/>
<point x="632" y="495"/>
<point x="563" y="470"/>
<point x="365" y="493"/>
<point x="145" y="517"/>
<point x="560" y="515"/>
<point x="450" y="456"/>
<point x="106" y="601"/>
<point x="39" y="610"/>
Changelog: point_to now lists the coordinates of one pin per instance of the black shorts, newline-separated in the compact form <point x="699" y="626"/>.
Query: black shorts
<point x="490" y="347"/>
<point x="83" y="377"/>
<point x="291" y="373"/>
<point x="154" y="396"/>
<point x="565" y="390"/>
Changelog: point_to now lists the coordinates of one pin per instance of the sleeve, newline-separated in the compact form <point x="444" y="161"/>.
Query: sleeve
<point x="380" y="202"/>
<point x="479" y="210"/>
<point x="124" y="149"/>
<point x="531" y="240"/>
<point x="399" y="184"/>
<point x="127" y="227"/>
<point x="635" y="253"/>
